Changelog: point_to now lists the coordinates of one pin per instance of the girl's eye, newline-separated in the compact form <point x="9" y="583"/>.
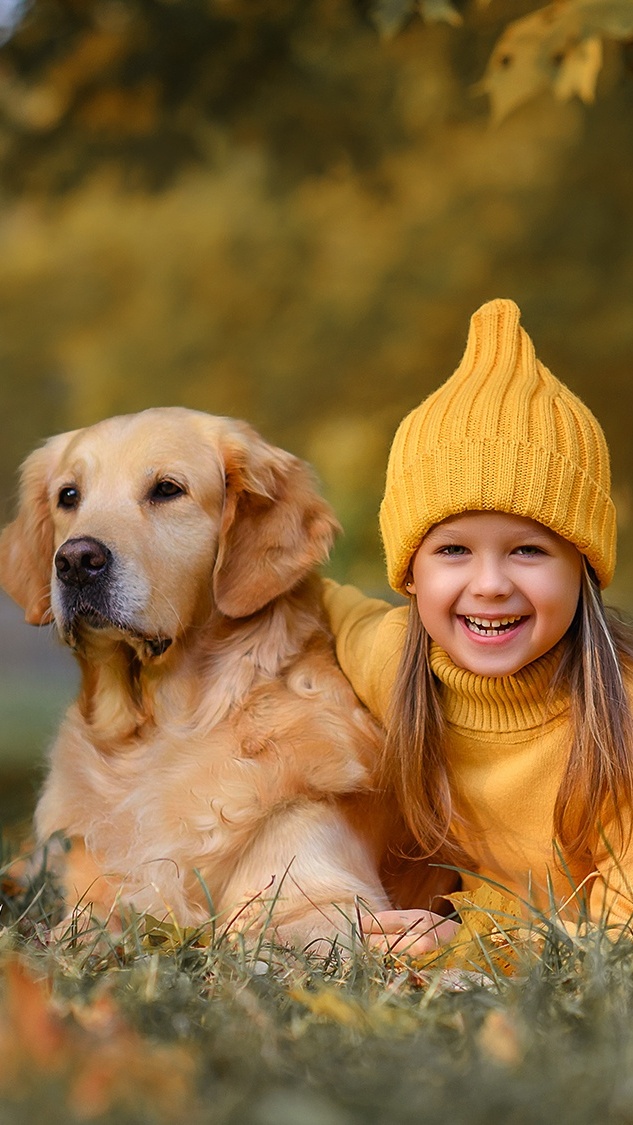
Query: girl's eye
<point x="452" y="549"/>
<point x="68" y="497"/>
<point x="528" y="551"/>
<point x="166" y="490"/>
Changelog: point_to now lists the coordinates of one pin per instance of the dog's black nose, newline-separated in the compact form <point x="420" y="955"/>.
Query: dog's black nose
<point x="79" y="562"/>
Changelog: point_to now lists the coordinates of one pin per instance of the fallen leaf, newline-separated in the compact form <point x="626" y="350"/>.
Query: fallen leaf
<point x="492" y="933"/>
<point x="329" y="1004"/>
<point x="499" y="1038"/>
<point x="166" y="937"/>
<point x="127" y="1071"/>
<point x="37" y="1031"/>
<point x="100" y="1017"/>
<point x="486" y="910"/>
<point x="10" y="887"/>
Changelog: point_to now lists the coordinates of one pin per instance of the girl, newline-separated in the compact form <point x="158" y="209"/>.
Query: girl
<point x="504" y="686"/>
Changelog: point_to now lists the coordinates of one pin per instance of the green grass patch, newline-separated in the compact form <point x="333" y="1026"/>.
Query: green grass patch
<point x="29" y="719"/>
<point x="165" y="1026"/>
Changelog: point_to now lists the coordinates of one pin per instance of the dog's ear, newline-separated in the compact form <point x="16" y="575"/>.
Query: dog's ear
<point x="275" y="525"/>
<point x="26" y="545"/>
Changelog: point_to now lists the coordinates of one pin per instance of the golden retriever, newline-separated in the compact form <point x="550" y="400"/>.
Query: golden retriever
<point x="216" y="754"/>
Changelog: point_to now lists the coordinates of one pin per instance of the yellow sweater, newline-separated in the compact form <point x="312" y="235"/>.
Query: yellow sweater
<point x="507" y="758"/>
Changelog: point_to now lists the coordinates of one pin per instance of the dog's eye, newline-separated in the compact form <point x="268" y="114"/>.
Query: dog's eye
<point x="166" y="490"/>
<point x="68" y="497"/>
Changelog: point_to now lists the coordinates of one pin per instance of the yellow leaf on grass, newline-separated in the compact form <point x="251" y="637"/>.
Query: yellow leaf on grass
<point x="486" y="910"/>
<point x="126" y="1072"/>
<point x="500" y="1039"/>
<point x="10" y="887"/>
<point x="168" y="936"/>
<point x="34" y="1029"/>
<point x="491" y="922"/>
<point x="493" y="928"/>
<point x="329" y="1003"/>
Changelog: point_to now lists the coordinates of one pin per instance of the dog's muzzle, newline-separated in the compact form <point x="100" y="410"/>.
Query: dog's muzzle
<point x="89" y="596"/>
<point x="84" y="572"/>
<point x="82" y="562"/>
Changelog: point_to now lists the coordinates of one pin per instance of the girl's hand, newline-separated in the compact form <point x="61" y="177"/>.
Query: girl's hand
<point x="407" y="931"/>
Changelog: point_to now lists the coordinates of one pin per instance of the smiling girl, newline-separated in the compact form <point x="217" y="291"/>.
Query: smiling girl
<point x="503" y="686"/>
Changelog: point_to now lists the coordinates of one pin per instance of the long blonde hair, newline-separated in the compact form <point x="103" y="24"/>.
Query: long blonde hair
<point x="598" y="780"/>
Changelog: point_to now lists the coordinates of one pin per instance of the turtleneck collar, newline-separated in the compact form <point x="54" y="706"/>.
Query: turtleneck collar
<point x="499" y="703"/>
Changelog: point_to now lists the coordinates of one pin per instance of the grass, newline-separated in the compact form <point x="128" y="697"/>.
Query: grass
<point x="167" y="1027"/>
<point x="28" y="720"/>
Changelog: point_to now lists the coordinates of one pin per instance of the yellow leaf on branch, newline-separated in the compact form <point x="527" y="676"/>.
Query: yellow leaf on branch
<point x="579" y="70"/>
<point x="559" y="47"/>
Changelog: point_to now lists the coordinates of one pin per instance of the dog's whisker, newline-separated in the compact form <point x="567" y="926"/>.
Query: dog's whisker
<point x="161" y="596"/>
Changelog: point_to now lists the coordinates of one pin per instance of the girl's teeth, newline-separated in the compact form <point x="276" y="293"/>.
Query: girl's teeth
<point x="488" y="626"/>
<point x="493" y="624"/>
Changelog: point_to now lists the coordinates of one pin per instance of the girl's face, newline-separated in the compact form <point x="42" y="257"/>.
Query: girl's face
<point x="495" y="591"/>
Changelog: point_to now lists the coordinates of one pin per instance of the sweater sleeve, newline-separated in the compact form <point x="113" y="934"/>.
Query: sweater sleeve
<point x="369" y="635"/>
<point x="611" y="897"/>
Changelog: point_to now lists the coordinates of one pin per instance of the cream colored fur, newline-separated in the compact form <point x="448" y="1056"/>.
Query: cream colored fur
<point x="237" y="762"/>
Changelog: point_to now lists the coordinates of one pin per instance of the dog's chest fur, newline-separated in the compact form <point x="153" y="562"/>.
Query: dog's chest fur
<point x="251" y="742"/>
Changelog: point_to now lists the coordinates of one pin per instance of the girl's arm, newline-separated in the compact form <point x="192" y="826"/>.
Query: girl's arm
<point x="369" y="635"/>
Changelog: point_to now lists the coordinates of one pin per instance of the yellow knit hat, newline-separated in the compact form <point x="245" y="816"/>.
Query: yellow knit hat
<point x="501" y="434"/>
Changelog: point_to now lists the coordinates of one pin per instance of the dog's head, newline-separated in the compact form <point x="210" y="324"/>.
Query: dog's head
<point x="143" y="523"/>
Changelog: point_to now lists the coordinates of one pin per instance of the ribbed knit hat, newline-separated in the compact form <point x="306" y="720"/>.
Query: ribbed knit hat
<point x="502" y="434"/>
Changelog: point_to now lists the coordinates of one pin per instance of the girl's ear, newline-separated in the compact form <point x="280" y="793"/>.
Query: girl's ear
<point x="26" y="545"/>
<point x="275" y="525"/>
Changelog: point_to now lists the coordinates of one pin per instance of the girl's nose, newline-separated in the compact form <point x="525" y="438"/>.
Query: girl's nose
<point x="490" y="580"/>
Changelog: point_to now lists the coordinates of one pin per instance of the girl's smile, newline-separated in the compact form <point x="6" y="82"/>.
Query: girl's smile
<point x="495" y="591"/>
<point x="493" y="629"/>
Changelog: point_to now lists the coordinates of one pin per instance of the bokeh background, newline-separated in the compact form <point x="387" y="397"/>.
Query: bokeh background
<point x="286" y="211"/>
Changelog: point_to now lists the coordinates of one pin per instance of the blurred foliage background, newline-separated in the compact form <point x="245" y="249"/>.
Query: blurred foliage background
<point x="286" y="210"/>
